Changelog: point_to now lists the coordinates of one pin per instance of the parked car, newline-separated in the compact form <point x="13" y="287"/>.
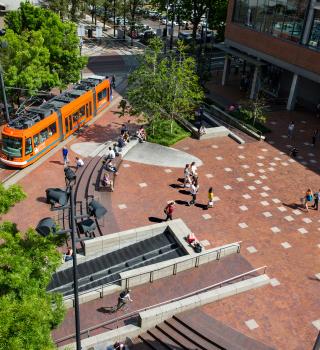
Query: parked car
<point x="147" y="35"/>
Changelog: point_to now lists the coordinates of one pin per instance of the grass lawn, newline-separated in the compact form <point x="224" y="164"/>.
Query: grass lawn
<point x="163" y="136"/>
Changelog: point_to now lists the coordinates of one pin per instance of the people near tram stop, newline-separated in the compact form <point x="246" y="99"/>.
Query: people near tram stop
<point x="65" y="153"/>
<point x="121" y="143"/>
<point x="168" y="210"/>
<point x="315" y="136"/>
<point x="118" y="346"/>
<point x="107" y="182"/>
<point x="291" y="130"/>
<point x="111" y="155"/>
<point x="316" y="200"/>
<point x="109" y="166"/>
<point x="79" y="163"/>
<point x="141" y="134"/>
<point x="113" y="81"/>
<point x="202" y="130"/>
<point x="123" y="298"/>
<point x="68" y="255"/>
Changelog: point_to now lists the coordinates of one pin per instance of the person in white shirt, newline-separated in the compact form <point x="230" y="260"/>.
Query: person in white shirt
<point x="111" y="155"/>
<point x="194" y="169"/>
<point x="79" y="162"/>
<point x="194" y="190"/>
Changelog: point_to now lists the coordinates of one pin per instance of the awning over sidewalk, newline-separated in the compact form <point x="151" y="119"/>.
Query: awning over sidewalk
<point x="236" y="53"/>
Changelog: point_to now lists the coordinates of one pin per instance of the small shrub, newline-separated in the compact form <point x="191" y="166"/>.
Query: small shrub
<point x="9" y="197"/>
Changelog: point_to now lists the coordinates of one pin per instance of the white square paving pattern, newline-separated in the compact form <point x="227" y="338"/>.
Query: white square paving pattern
<point x="291" y="160"/>
<point x="241" y="156"/>
<point x="246" y="196"/>
<point x="313" y="161"/>
<point x="206" y="216"/>
<point x="241" y="147"/>
<point x="122" y="206"/>
<point x="296" y="212"/>
<point x="216" y="199"/>
<point x="252" y="188"/>
<point x="282" y="209"/>
<point x="275" y="229"/>
<point x="245" y="166"/>
<point x="302" y="230"/>
<point x="260" y="164"/>
<point x="260" y="157"/>
<point x="271" y="142"/>
<point x="240" y="179"/>
<point x="228" y="169"/>
<point x="273" y="123"/>
<point x="209" y="176"/>
<point x="267" y="214"/>
<point x="307" y="220"/>
<point x="261" y="171"/>
<point x="243" y="225"/>
<point x="285" y="163"/>
<point x="266" y="188"/>
<point x="286" y="245"/>
<point x="276" y="200"/>
<point x="185" y="148"/>
<point x="251" y="249"/>
<point x="274" y="282"/>
<point x="126" y="165"/>
<point x="277" y="158"/>
<point x="205" y="242"/>
<point x="317" y="275"/>
<point x="284" y="136"/>
<point x="214" y="146"/>
<point x="264" y="203"/>
<point x="227" y="187"/>
<point x="263" y="177"/>
<point x="219" y="158"/>
<point x="316" y="323"/>
<point x="143" y="184"/>
<point x="310" y="154"/>
<point x="271" y="169"/>
<point x="243" y="208"/>
<point x="264" y="150"/>
<point x="289" y="218"/>
<point x="252" y="324"/>
<point x="168" y="171"/>
<point x="264" y="194"/>
<point x="258" y="182"/>
<point x="273" y="164"/>
<point x="250" y="174"/>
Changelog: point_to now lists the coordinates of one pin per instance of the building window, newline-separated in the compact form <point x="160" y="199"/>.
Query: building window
<point x="281" y="18"/>
<point x="314" y="39"/>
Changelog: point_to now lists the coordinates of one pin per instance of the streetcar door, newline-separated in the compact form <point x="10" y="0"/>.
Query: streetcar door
<point x="28" y="146"/>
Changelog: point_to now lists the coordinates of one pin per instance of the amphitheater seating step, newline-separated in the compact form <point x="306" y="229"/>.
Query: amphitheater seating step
<point x="152" y="342"/>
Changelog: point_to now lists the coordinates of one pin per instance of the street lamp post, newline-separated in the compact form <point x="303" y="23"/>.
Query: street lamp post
<point x="114" y="18"/>
<point x="166" y="28"/>
<point x="173" y="18"/>
<point x="4" y="45"/>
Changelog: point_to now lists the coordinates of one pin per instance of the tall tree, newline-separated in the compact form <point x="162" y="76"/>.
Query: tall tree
<point x="56" y="61"/>
<point x="27" y="312"/>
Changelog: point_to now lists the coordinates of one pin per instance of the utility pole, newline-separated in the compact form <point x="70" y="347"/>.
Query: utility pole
<point x="114" y="18"/>
<point x="124" y="19"/>
<point x="172" y="26"/>
<point x="166" y="28"/>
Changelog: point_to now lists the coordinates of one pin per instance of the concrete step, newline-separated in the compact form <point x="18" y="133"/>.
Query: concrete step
<point x="152" y="342"/>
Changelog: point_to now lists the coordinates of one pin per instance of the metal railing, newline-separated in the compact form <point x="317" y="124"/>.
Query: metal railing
<point x="136" y="312"/>
<point x="151" y="274"/>
<point x="227" y="120"/>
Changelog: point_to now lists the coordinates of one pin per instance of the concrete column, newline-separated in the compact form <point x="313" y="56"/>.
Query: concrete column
<point x="308" y="24"/>
<point x="293" y="91"/>
<point x="254" y="84"/>
<point x="226" y="70"/>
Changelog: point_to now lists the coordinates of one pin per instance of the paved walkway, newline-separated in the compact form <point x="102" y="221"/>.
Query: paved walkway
<point x="259" y="189"/>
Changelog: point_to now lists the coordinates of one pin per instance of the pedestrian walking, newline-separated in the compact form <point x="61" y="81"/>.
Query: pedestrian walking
<point x="210" y="198"/>
<point x="79" y="162"/>
<point x="290" y="130"/>
<point x="113" y="81"/>
<point x="65" y="153"/>
<point x="168" y="210"/>
<point x="194" y="190"/>
<point x="194" y="170"/>
<point x="187" y="176"/>
<point x="123" y="298"/>
<point x="314" y="137"/>
<point x="316" y="200"/>
<point x="308" y="198"/>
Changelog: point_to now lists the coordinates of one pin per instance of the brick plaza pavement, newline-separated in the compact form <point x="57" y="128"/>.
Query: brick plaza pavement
<point x="259" y="189"/>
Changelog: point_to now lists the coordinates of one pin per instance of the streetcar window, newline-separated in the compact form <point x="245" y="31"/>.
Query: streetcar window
<point x="52" y="129"/>
<point x="43" y="135"/>
<point x="87" y="110"/>
<point x="12" y="146"/>
<point x="28" y="146"/>
<point x="108" y="93"/>
<point x="90" y="108"/>
<point x="36" y="140"/>
<point x="82" y="111"/>
<point x="102" y="94"/>
<point x="66" y="121"/>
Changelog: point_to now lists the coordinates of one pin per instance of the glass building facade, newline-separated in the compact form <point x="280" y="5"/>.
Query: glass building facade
<point x="280" y="18"/>
<point x="314" y="39"/>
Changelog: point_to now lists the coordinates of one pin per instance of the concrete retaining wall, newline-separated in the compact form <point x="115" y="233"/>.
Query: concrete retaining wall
<point x="150" y="318"/>
<point x="218" y="131"/>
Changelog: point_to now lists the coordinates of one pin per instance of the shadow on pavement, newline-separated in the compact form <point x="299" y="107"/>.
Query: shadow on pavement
<point x="154" y="219"/>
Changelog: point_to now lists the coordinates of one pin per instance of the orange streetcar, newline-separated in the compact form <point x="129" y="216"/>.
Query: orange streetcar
<point x="36" y="130"/>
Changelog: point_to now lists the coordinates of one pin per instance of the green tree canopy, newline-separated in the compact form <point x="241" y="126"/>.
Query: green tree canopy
<point x="42" y="51"/>
<point x="27" y="312"/>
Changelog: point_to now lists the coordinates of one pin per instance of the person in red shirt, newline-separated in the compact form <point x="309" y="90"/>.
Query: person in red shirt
<point x="169" y="211"/>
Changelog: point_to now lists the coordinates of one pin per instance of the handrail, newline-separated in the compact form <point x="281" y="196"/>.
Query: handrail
<point x="136" y="312"/>
<point x="174" y="265"/>
<point x="229" y="120"/>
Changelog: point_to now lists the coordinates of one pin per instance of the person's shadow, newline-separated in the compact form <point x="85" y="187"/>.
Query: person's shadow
<point x="202" y="206"/>
<point x="155" y="219"/>
<point x="106" y="309"/>
<point x="180" y="202"/>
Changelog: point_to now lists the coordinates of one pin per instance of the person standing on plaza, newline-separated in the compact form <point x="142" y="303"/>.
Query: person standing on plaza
<point x="65" y="153"/>
<point x="316" y="200"/>
<point x="168" y="210"/>
<point x="193" y="169"/>
<point x="79" y="162"/>
<point x="113" y="81"/>
<point x="210" y="198"/>
<point x="186" y="176"/>
<point x="124" y="296"/>
<point x="314" y="137"/>
<point x="290" y="130"/>
<point x="308" y="198"/>
<point x="194" y="190"/>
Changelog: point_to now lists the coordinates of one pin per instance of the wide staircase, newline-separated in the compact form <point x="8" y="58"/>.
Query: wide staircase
<point x="106" y="268"/>
<point x="193" y="330"/>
